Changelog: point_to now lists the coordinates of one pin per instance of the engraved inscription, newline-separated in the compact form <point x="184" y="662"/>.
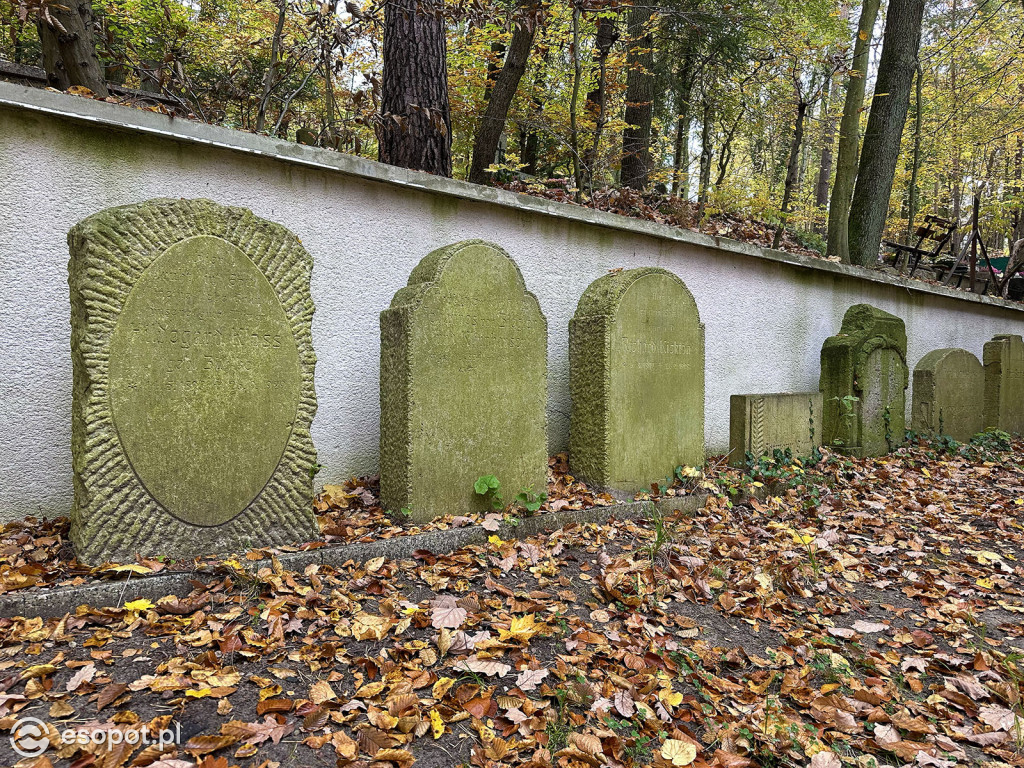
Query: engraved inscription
<point x="204" y="380"/>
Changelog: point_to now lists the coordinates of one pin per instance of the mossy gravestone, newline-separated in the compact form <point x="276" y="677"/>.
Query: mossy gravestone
<point x="636" y="371"/>
<point x="1004" y="383"/>
<point x="193" y="382"/>
<point x="463" y="384"/>
<point x="761" y="424"/>
<point x="948" y="387"/>
<point x="863" y="383"/>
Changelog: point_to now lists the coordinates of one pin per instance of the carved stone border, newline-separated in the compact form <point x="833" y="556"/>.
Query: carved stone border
<point x="114" y="516"/>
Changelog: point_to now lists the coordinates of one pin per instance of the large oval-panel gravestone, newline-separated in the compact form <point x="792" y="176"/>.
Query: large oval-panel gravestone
<point x="636" y="369"/>
<point x="193" y="382"/>
<point x="205" y="380"/>
<point x="948" y="387"/>
<point x="463" y="383"/>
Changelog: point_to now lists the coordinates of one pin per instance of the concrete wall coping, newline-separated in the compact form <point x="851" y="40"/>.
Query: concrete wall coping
<point x="120" y="118"/>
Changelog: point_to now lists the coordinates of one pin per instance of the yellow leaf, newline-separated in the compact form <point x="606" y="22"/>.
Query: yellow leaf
<point x="672" y="699"/>
<point x="436" y="724"/>
<point x="132" y="567"/>
<point x="138" y="605"/>
<point x="495" y="540"/>
<point x="441" y="687"/>
<point x="678" y="752"/>
<point x="985" y="583"/>
<point x="521" y="628"/>
<point x="374" y="564"/>
<point x="925" y="472"/>
<point x="200" y="693"/>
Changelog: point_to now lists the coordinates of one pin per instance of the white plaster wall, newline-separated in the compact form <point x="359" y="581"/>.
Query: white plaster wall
<point x="765" y="320"/>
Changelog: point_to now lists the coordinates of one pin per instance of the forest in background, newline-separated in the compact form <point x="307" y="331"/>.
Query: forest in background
<point x="842" y="122"/>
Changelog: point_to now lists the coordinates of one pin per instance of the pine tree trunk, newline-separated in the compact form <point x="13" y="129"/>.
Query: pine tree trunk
<point x="69" y="55"/>
<point x="636" y="136"/>
<point x="916" y="161"/>
<point x="828" y="137"/>
<point x="681" y="156"/>
<point x="492" y="122"/>
<point x="706" y="153"/>
<point x="849" y="136"/>
<point x="889" y="107"/>
<point x="597" y="98"/>
<point x="415" y="123"/>
<point x="792" y="170"/>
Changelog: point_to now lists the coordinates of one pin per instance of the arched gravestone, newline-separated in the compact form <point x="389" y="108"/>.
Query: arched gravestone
<point x="863" y="383"/>
<point x="948" y="387"/>
<point x="463" y="383"/>
<point x="193" y="382"/>
<point x="636" y="370"/>
<point x="1004" y="383"/>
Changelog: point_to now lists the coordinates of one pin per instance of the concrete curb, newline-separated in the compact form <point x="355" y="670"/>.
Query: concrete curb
<point x="52" y="603"/>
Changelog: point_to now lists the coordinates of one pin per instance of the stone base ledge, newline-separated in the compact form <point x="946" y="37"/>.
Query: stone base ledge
<point x="56" y="602"/>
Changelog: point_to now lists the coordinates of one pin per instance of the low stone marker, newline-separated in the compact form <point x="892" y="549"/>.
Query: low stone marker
<point x="636" y="372"/>
<point x="463" y="384"/>
<point x="760" y="424"/>
<point x="193" y="382"/>
<point x="948" y="389"/>
<point x="1004" y="383"/>
<point x="863" y="383"/>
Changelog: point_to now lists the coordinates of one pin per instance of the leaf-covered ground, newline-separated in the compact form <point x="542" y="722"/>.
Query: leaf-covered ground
<point x="867" y="613"/>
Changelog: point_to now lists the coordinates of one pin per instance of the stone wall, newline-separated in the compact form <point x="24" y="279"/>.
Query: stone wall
<point x="766" y="313"/>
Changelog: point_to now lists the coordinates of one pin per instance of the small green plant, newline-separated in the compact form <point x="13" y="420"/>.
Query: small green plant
<point x="489" y="487"/>
<point x="530" y="501"/>
<point x="406" y="512"/>
<point x="314" y="468"/>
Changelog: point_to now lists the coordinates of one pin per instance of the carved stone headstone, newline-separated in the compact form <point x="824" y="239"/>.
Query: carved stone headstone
<point x="864" y="379"/>
<point x="948" y="387"/>
<point x="636" y="371"/>
<point x="463" y="383"/>
<point x="761" y="424"/>
<point x="193" y="382"/>
<point x="1004" y="383"/>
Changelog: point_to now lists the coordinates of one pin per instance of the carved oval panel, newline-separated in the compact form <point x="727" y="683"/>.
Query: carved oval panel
<point x="204" y="380"/>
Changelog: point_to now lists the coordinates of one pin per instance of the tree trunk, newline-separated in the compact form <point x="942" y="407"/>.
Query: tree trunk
<point x="636" y="136"/>
<point x="69" y="55"/>
<point x="681" y="157"/>
<point x="916" y="162"/>
<point x="849" y="136"/>
<point x="889" y="106"/>
<point x="577" y="76"/>
<point x="597" y="98"/>
<point x="270" y="76"/>
<point x="492" y="123"/>
<point x="415" y="126"/>
<point x="828" y="137"/>
<point x="706" y="153"/>
<point x="791" y="170"/>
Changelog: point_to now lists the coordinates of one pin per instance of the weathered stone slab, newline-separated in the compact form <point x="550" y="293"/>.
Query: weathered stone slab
<point x="463" y="383"/>
<point x="193" y="382"/>
<point x="864" y="379"/>
<point x="761" y="424"/>
<point x="1004" y="383"/>
<point x="948" y="388"/>
<point x="636" y="370"/>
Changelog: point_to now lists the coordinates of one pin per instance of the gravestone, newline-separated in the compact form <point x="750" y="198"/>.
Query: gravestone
<point x="636" y="372"/>
<point x="463" y="384"/>
<point x="1004" y="383"/>
<point x="863" y="383"/>
<point x="193" y="382"/>
<point x="761" y="424"/>
<point x="948" y="389"/>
